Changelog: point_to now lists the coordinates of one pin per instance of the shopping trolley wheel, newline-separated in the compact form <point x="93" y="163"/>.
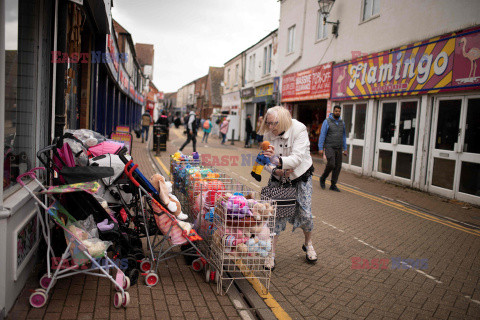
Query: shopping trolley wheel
<point x="117" y="300"/>
<point x="207" y="275"/>
<point x="145" y="265"/>
<point x="126" y="299"/>
<point x="198" y="265"/>
<point x="217" y="277"/>
<point x="45" y="281"/>
<point x="38" y="299"/>
<point x="151" y="279"/>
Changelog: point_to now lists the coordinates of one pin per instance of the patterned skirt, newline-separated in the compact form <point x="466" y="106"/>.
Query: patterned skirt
<point x="303" y="217"/>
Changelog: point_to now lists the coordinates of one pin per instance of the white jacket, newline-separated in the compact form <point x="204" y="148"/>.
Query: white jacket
<point x="293" y="147"/>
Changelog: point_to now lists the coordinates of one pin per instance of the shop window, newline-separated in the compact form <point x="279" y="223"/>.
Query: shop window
<point x="360" y="115"/>
<point x="404" y="165"/>
<point x="408" y="119"/>
<point x="267" y="59"/>
<point x="472" y="127"/>
<point x="357" y="156"/>
<point x="291" y="39"/>
<point x="385" y="161"/>
<point x="448" y="124"/>
<point x="347" y="118"/>
<point x="321" y="26"/>
<point x="470" y="178"/>
<point x="388" y="122"/>
<point x="371" y="8"/>
<point x="20" y="97"/>
<point x="443" y="173"/>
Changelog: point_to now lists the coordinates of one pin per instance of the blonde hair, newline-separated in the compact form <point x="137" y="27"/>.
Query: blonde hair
<point x="282" y="115"/>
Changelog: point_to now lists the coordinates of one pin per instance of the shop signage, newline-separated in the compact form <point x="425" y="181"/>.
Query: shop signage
<point x="444" y="63"/>
<point x="247" y="93"/>
<point x="310" y="84"/>
<point x="265" y="90"/>
<point x="276" y="82"/>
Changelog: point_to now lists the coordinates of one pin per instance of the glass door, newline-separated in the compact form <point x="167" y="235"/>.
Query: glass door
<point x="396" y="140"/>
<point x="354" y="116"/>
<point x="455" y="158"/>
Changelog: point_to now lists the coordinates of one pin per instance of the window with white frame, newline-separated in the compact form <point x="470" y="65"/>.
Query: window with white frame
<point x="321" y="26"/>
<point x="291" y="39"/>
<point x="371" y="8"/>
<point x="267" y="59"/>
<point x="251" y="67"/>
<point x="228" y="79"/>
<point x="236" y="75"/>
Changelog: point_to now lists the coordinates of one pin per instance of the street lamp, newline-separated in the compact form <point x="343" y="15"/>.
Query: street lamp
<point x="325" y="8"/>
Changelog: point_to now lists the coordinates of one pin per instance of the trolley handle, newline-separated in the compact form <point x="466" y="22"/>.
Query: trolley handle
<point x="129" y="172"/>
<point x="30" y="173"/>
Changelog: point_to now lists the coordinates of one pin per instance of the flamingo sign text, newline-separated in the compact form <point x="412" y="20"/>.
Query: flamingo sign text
<point x="444" y="63"/>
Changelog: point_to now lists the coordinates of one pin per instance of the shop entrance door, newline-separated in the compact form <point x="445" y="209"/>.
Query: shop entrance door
<point x="396" y="140"/>
<point x="454" y="166"/>
<point x="354" y="117"/>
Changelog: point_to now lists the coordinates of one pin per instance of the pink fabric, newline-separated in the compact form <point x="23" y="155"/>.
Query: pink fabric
<point x="164" y="222"/>
<point x="224" y="127"/>
<point x="105" y="147"/>
<point x="66" y="155"/>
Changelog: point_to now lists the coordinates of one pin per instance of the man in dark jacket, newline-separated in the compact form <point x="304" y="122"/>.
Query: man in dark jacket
<point x="333" y="139"/>
<point x="248" y="130"/>
<point x="191" y="131"/>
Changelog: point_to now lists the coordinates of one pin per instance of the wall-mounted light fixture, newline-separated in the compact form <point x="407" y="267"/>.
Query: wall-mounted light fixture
<point x="325" y="8"/>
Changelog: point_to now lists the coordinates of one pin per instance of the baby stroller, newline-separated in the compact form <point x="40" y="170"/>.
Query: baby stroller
<point x="82" y="252"/>
<point x="170" y="232"/>
<point x="60" y="165"/>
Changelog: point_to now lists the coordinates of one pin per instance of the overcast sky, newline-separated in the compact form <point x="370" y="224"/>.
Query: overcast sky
<point x="191" y="35"/>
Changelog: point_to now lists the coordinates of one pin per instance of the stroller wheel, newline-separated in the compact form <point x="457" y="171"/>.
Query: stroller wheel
<point x="117" y="300"/>
<point x="45" y="281"/>
<point x="38" y="299"/>
<point x="145" y="265"/>
<point x="207" y="275"/>
<point x="126" y="283"/>
<point x="198" y="264"/>
<point x="151" y="279"/>
<point x="126" y="299"/>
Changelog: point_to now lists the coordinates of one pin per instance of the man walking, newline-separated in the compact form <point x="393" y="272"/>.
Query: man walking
<point x="332" y="138"/>
<point x="191" y="131"/>
<point x="146" y="120"/>
<point x="248" y="131"/>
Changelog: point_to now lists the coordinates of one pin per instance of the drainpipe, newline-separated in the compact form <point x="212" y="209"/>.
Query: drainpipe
<point x="54" y="73"/>
<point x="303" y="39"/>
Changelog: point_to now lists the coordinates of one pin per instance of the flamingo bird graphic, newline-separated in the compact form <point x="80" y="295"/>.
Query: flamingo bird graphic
<point x="472" y="55"/>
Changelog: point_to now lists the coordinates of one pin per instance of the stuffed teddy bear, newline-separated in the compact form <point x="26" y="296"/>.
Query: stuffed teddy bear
<point x="262" y="210"/>
<point x="164" y="190"/>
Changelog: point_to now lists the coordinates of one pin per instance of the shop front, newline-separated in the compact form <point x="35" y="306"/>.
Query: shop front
<point x="424" y="104"/>
<point x="231" y="108"/>
<point x="248" y="108"/>
<point x="305" y="93"/>
<point x="263" y="99"/>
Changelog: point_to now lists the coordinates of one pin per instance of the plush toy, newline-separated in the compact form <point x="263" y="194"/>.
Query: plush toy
<point x="241" y="249"/>
<point x="262" y="211"/>
<point x="262" y="160"/>
<point x="170" y="201"/>
<point x="185" y="226"/>
<point x="237" y="207"/>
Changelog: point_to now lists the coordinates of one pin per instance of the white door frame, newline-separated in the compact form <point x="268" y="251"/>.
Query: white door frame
<point x="457" y="154"/>
<point x="394" y="146"/>
<point x="351" y="141"/>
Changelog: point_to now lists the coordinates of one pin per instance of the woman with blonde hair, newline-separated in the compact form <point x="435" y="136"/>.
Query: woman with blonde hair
<point x="289" y="141"/>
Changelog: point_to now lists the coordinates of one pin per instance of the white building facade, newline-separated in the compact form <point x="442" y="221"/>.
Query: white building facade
<point x="260" y="88"/>
<point x="231" y="103"/>
<point x="405" y="75"/>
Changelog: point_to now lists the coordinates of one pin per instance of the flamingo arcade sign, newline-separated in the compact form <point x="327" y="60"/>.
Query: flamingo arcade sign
<point x="444" y="63"/>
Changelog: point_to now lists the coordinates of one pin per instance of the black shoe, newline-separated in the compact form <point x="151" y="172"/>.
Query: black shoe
<point x="334" y="188"/>
<point x="322" y="183"/>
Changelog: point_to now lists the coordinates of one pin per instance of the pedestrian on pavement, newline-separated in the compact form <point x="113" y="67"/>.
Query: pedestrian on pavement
<point x="224" y="128"/>
<point x="207" y="128"/>
<point x="185" y="122"/>
<point x="146" y="120"/>
<point x="191" y="132"/>
<point x="332" y="138"/>
<point x="289" y="141"/>
<point x="259" y="137"/>
<point x="248" y="131"/>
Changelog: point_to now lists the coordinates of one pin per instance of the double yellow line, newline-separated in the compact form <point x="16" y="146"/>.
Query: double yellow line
<point x="407" y="210"/>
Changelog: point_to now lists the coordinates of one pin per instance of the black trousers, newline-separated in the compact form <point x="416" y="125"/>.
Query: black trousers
<point x="334" y="163"/>
<point x="190" y="137"/>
